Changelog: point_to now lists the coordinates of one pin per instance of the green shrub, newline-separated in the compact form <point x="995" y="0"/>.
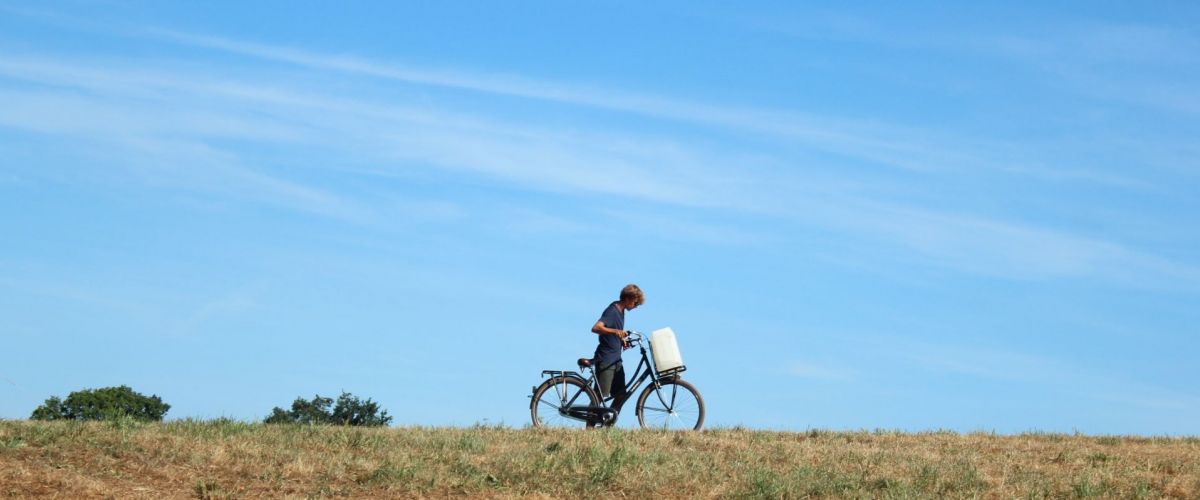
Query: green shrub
<point x="108" y="403"/>
<point x="349" y="410"/>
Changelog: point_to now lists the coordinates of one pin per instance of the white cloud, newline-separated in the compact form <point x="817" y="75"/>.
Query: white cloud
<point x="1000" y="248"/>
<point x="888" y="145"/>
<point x="1015" y="367"/>
<point x="152" y="106"/>
<point x="171" y="123"/>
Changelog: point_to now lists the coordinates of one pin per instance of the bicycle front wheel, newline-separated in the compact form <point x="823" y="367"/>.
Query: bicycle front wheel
<point x="675" y="405"/>
<point x="554" y="397"/>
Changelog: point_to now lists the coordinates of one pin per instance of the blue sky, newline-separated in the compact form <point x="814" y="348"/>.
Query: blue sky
<point x="922" y="217"/>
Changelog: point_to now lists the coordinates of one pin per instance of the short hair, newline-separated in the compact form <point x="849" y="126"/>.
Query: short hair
<point x="631" y="291"/>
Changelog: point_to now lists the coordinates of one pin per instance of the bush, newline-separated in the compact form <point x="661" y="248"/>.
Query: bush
<point x="108" y="403"/>
<point x="348" y="411"/>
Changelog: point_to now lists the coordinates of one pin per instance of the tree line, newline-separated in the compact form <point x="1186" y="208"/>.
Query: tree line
<point x="111" y="403"/>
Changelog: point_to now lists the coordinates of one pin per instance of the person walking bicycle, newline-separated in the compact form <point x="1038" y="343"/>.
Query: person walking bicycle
<point x="571" y="399"/>
<point x="568" y="399"/>
<point x="610" y="328"/>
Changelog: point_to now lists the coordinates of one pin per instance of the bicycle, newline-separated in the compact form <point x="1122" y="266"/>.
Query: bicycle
<point x="568" y="399"/>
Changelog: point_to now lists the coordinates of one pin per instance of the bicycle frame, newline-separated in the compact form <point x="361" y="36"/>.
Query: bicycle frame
<point x="645" y="370"/>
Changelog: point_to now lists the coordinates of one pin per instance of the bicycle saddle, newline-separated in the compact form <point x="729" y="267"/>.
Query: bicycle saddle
<point x="584" y="362"/>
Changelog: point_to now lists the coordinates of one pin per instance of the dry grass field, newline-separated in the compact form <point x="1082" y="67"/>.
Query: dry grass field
<point x="227" y="459"/>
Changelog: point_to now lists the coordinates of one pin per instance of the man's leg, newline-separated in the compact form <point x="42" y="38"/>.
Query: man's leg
<point x="618" y="387"/>
<point x="605" y="377"/>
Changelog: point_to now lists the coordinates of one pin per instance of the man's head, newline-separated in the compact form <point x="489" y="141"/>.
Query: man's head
<point x="631" y="296"/>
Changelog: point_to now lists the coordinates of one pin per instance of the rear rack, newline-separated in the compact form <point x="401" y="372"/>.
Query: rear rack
<point x="563" y="373"/>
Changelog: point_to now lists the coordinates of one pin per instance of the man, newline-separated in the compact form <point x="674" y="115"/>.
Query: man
<point x="611" y="330"/>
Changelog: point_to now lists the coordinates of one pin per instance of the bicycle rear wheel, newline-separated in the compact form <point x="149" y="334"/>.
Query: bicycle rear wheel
<point x="552" y="399"/>
<point x="675" y="405"/>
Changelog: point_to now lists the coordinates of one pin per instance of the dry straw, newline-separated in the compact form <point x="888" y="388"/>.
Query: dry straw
<point x="228" y="459"/>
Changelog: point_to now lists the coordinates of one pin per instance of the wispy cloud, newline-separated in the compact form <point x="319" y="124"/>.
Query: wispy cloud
<point x="686" y="227"/>
<point x="1011" y="249"/>
<point x="1014" y="367"/>
<point x="148" y="149"/>
<point x="1139" y="64"/>
<point x="1097" y="42"/>
<point x="133" y="104"/>
<point x="71" y="292"/>
<point x="232" y="302"/>
<point x="910" y="149"/>
<point x="1093" y="69"/>
<point x="173" y="123"/>
<point x="888" y="145"/>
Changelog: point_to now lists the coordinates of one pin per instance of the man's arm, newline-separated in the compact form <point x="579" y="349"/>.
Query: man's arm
<point x="600" y="329"/>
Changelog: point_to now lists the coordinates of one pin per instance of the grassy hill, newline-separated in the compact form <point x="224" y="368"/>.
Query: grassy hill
<point x="226" y="459"/>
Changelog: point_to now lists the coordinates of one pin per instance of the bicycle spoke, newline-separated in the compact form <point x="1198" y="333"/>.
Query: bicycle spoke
<point x="553" y="400"/>
<point x="677" y="407"/>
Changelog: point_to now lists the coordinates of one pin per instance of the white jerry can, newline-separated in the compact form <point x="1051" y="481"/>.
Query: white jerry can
<point x="665" y="351"/>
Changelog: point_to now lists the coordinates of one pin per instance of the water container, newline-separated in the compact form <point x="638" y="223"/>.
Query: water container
<point x="665" y="351"/>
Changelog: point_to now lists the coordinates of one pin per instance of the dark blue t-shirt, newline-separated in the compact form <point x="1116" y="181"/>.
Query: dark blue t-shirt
<point x="609" y="350"/>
